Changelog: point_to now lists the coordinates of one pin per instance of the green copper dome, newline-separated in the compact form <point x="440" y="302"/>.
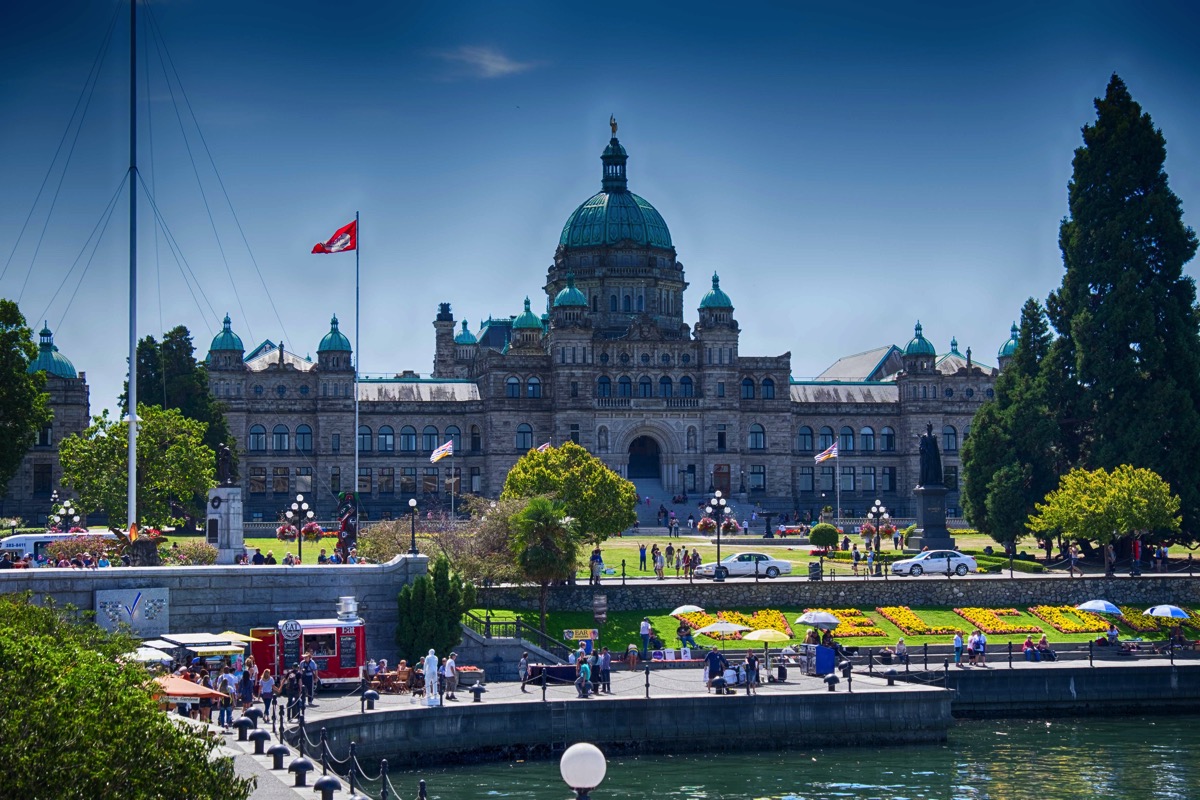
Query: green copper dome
<point x="226" y="339"/>
<point x="954" y="346"/>
<point x="334" y="341"/>
<point x="570" y="296"/>
<point x="715" y="297"/>
<point x="1009" y="347"/>
<point x="919" y="345"/>
<point x="466" y="337"/>
<point x="49" y="360"/>
<point x="615" y="214"/>
<point x="528" y="320"/>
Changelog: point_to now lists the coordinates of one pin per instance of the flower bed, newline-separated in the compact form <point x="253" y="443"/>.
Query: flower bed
<point x="912" y="625"/>
<point x="766" y="618"/>
<point x="1137" y="621"/>
<point x="988" y="620"/>
<point x="851" y="623"/>
<point x="1066" y="619"/>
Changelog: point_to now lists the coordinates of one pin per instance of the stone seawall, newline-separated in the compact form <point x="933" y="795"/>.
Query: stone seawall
<point x="214" y="599"/>
<point x="851" y="592"/>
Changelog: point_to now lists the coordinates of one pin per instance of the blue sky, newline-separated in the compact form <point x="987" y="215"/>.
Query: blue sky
<point x="848" y="169"/>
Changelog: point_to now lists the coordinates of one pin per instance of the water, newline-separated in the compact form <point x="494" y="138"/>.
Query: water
<point x="1149" y="758"/>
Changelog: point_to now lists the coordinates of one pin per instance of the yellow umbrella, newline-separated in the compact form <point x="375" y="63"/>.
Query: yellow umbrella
<point x="234" y="636"/>
<point x="766" y="635"/>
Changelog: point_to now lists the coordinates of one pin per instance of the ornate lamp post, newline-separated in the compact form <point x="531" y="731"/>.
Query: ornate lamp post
<point x="879" y="516"/>
<point x="582" y="768"/>
<point x="412" y="513"/>
<point x="299" y="515"/>
<point x="53" y="506"/>
<point x="66" y="512"/>
<point x="716" y="510"/>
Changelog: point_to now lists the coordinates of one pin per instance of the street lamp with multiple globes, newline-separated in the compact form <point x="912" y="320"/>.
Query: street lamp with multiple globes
<point x="582" y="767"/>
<point x="717" y="509"/>
<point x="298" y="516"/>
<point x="879" y="516"/>
<point x="412" y="512"/>
<point x="66" y="512"/>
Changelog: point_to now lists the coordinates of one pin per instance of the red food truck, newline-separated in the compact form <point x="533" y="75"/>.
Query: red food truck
<point x="338" y="644"/>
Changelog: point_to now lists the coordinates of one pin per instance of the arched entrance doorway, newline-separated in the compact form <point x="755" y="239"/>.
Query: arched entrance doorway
<point x="644" y="458"/>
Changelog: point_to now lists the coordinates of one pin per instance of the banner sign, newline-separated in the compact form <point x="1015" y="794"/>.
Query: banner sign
<point x="581" y="634"/>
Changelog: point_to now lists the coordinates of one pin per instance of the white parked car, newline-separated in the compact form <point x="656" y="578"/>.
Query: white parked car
<point x="745" y="565"/>
<point x="935" y="562"/>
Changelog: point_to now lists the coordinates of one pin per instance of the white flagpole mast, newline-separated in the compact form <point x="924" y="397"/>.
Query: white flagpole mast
<point x="357" y="356"/>
<point x="837" y="478"/>
<point x="131" y="488"/>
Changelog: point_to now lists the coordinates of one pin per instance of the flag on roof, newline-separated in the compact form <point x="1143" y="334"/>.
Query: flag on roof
<point x="344" y="238"/>
<point x="544" y="447"/>
<point x="825" y="455"/>
<point x="445" y="450"/>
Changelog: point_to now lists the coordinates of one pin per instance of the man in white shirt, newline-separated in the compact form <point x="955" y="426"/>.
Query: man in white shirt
<point x="644" y="630"/>
<point x="451" y="675"/>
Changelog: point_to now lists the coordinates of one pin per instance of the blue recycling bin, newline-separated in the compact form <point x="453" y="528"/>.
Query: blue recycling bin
<point x="825" y="660"/>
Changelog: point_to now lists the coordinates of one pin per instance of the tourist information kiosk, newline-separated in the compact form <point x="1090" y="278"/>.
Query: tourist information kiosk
<point x="338" y="645"/>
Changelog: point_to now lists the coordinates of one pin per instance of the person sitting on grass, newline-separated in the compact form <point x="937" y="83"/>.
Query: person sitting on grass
<point x="684" y="632"/>
<point x="1030" y="649"/>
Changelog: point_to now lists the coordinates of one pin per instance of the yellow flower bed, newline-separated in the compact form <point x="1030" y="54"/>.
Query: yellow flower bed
<point x="1066" y="619"/>
<point x="851" y="623"/>
<point x="766" y="618"/>
<point x="912" y="625"/>
<point x="1139" y="622"/>
<point x="988" y="620"/>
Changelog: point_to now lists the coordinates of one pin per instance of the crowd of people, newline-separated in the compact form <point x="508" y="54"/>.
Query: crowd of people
<point x="683" y="561"/>
<point x="241" y="683"/>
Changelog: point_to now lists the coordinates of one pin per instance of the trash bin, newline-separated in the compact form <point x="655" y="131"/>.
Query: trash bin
<point x="814" y="571"/>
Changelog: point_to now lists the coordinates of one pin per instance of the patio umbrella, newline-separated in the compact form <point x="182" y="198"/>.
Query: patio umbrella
<point x="1098" y="607"/>
<point x="1171" y="612"/>
<point x="821" y="620"/>
<point x="766" y="636"/>
<point x="234" y="636"/>
<point x="149" y="655"/>
<point x="723" y="628"/>
<point x="177" y="690"/>
<point x="687" y="610"/>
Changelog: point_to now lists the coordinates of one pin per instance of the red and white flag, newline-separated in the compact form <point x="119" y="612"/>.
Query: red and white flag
<point x="346" y="238"/>
<point x="544" y="448"/>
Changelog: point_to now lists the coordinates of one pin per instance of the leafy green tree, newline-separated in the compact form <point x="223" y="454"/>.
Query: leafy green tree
<point x="173" y="464"/>
<point x="1129" y="344"/>
<point x="479" y="548"/>
<point x="823" y="535"/>
<point x="544" y="546"/>
<point x="600" y="500"/>
<point x="431" y="609"/>
<point x="24" y="404"/>
<point x="79" y="723"/>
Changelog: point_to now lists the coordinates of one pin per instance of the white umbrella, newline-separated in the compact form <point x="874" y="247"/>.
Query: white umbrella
<point x="149" y="655"/>
<point x="687" y="610"/>
<point x="1098" y="607"/>
<point x="818" y="619"/>
<point x="723" y="628"/>
<point x="1171" y="612"/>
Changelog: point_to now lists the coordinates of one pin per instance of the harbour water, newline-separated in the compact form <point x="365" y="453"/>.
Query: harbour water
<point x="1130" y="758"/>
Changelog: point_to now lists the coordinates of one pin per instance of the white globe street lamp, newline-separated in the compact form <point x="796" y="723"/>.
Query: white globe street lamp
<point x="583" y="767"/>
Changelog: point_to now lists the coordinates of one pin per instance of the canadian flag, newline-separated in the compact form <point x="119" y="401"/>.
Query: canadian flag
<point x="345" y="238"/>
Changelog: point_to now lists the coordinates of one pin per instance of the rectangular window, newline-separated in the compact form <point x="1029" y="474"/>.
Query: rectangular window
<point x="387" y="480"/>
<point x="574" y="388"/>
<point x="280" y="483"/>
<point x="847" y="479"/>
<point x="887" y="440"/>
<point x="866" y="477"/>
<point x="43" y="478"/>
<point x="476" y="480"/>
<point x="826" y="479"/>
<point x="720" y="388"/>
<point x="408" y="480"/>
<point x="429" y="480"/>
<point x="303" y="479"/>
<point x="950" y="477"/>
<point x="575" y="433"/>
<point x="364" y="480"/>
<point x="335" y="442"/>
<point x="335" y="479"/>
<point x="888" y="479"/>
<point x="806" y="479"/>
<point x="758" y="477"/>
<point x="721" y="439"/>
<point x="45" y="436"/>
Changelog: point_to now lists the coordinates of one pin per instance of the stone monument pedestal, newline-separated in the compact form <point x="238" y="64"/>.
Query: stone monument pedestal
<point x="931" y="529"/>
<point x="223" y="528"/>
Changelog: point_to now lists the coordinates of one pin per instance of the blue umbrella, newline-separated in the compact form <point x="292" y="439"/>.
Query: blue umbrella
<point x="1172" y="612"/>
<point x="1098" y="607"/>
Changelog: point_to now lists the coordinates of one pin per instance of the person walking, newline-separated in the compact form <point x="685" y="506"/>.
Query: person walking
<point x="308" y="678"/>
<point x="714" y="666"/>
<point x="958" y="648"/>
<point x="855" y="556"/>
<point x="450" y="673"/>
<point x="292" y="691"/>
<point x="605" y="668"/>
<point x="523" y="671"/>
<point x="1073" y="557"/>
<point x="226" y="685"/>
<point x="266" y="690"/>
<point x="642" y="557"/>
<point x="751" y="672"/>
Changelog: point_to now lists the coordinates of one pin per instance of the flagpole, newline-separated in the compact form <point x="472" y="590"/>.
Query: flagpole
<point x="452" y="477"/>
<point x="837" y="482"/>
<point x="131" y="487"/>
<point x="357" y="247"/>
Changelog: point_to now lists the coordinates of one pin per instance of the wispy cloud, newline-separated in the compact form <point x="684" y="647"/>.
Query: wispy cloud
<point x="484" y="62"/>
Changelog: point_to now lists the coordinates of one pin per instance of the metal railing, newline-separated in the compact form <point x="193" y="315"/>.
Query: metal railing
<point x="514" y="629"/>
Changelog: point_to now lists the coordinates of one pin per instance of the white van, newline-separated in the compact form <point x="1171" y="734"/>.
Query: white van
<point x="36" y="543"/>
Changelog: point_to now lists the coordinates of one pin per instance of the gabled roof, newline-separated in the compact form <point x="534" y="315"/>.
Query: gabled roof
<point x="870" y="365"/>
<point x="267" y="353"/>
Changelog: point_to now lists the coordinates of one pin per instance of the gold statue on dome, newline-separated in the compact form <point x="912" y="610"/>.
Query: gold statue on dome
<point x="612" y="123"/>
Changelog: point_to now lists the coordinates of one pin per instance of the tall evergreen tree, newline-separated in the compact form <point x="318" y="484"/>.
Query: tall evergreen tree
<point x="24" y="404"/>
<point x="1129" y="342"/>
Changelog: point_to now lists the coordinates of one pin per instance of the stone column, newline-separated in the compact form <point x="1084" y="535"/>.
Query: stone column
<point x="223" y="528"/>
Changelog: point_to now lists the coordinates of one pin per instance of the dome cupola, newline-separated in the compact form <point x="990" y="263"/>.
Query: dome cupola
<point x="335" y="341"/>
<point x="919" y="345"/>
<point x="49" y="360"/>
<point x="465" y="337"/>
<point x="227" y="339"/>
<point x="528" y="320"/>
<point x="570" y="296"/>
<point x="1009" y="348"/>
<point x="716" y="298"/>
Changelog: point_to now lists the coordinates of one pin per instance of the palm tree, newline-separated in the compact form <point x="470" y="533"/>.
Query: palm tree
<point x="545" y="546"/>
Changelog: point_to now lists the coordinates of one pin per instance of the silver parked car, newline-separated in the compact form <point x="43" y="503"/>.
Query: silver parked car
<point x="745" y="565"/>
<point x="935" y="562"/>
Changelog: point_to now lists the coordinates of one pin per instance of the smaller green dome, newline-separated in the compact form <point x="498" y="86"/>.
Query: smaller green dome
<point x="466" y="337"/>
<point x="335" y="341"/>
<point x="954" y="346"/>
<point x="715" y="297"/>
<point x="49" y="360"/>
<point x="1009" y="347"/>
<point x="570" y="296"/>
<point x="528" y="320"/>
<point x="226" y="339"/>
<point x="919" y="345"/>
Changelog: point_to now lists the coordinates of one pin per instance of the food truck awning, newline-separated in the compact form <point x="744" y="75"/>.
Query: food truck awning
<point x="159" y="644"/>
<point x="217" y="650"/>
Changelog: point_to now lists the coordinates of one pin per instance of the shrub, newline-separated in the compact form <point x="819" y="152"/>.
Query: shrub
<point x="823" y="535"/>
<point x="188" y="554"/>
<point x="78" y="545"/>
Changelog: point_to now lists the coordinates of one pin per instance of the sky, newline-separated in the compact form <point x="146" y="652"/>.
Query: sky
<point x="848" y="169"/>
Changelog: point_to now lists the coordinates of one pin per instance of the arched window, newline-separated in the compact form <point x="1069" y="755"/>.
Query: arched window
<point x="664" y="386"/>
<point x="627" y="304"/>
<point x="887" y="440"/>
<point x="686" y="387"/>
<point x="512" y="387"/>
<point x="747" y="389"/>
<point x="364" y="439"/>
<point x="612" y="302"/>
<point x="524" y="437"/>
<point x="845" y="440"/>
<point x="429" y="439"/>
<point x="476" y="439"/>
<point x="455" y="435"/>
<point x="258" y="438"/>
<point x="408" y="439"/>
<point x="533" y="388"/>
<point x="603" y="386"/>
<point x="387" y="439"/>
<point x="866" y="438"/>
<point x="758" y="437"/>
<point x="645" y="387"/>
<point x="804" y="439"/>
<point x="624" y="387"/>
<point x="825" y="438"/>
<point x="304" y="438"/>
<point x="768" y="388"/>
<point x="949" y="439"/>
<point x="279" y="438"/>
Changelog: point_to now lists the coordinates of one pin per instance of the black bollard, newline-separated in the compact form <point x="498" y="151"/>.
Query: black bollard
<point x="926" y="649"/>
<point x="831" y="681"/>
<point x="622" y="572"/>
<point x="260" y="736"/>
<point x="543" y="684"/>
<point x="243" y="725"/>
<point x="383" y="780"/>
<point x="353" y="765"/>
<point x="1091" y="653"/>
<point x="946" y="673"/>
<point x="891" y="676"/>
<point x="421" y="795"/>
<point x="871" y="661"/>
<point x="1010" y="652"/>
<point x="367" y="702"/>
<point x="301" y="766"/>
<point x="277" y="752"/>
<point x="647" y="681"/>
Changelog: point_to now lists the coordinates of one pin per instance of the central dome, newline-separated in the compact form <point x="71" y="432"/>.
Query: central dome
<point x="615" y="214"/>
